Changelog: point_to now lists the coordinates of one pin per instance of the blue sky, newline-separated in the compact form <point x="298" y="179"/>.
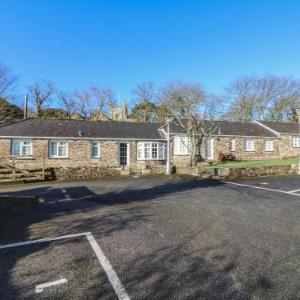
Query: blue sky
<point x="120" y="43"/>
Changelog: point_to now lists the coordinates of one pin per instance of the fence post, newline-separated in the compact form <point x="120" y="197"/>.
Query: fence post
<point x="43" y="166"/>
<point x="14" y="169"/>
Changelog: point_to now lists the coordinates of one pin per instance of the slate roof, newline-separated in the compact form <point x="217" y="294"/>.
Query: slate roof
<point x="282" y="127"/>
<point x="89" y="129"/>
<point x="233" y="128"/>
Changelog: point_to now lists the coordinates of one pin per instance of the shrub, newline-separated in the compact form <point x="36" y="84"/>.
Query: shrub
<point x="226" y="157"/>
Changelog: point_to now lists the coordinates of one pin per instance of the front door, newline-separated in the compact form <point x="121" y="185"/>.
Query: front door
<point x="209" y="149"/>
<point x="123" y="153"/>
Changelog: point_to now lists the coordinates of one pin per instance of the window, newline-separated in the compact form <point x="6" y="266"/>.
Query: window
<point x="58" y="149"/>
<point x="232" y="144"/>
<point x="181" y="145"/>
<point x="269" y="145"/>
<point x="21" y="148"/>
<point x="151" y="151"/>
<point x="296" y="142"/>
<point x="147" y="150"/>
<point x="249" y="145"/>
<point x="154" y="151"/>
<point x="95" y="150"/>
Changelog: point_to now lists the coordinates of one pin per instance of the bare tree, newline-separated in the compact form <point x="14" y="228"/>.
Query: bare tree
<point x="68" y="102"/>
<point x="40" y="93"/>
<point x="104" y="100"/>
<point x="146" y="108"/>
<point x="84" y="103"/>
<point x="7" y="83"/>
<point x="262" y="97"/>
<point x="192" y="111"/>
<point x="144" y="92"/>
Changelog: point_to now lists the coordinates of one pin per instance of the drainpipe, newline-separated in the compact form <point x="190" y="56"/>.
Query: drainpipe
<point x="168" y="166"/>
<point x="298" y="114"/>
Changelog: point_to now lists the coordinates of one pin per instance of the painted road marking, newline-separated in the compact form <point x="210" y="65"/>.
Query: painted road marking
<point x="40" y="287"/>
<point x="294" y="191"/>
<point x="110" y="273"/>
<point x="67" y="196"/>
<point x="260" y="188"/>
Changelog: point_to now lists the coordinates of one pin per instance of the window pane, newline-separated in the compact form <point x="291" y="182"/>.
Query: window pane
<point x="249" y="145"/>
<point x="95" y="149"/>
<point x="296" y="142"/>
<point x="62" y="151"/>
<point x="162" y="151"/>
<point x="53" y="149"/>
<point x="269" y="145"/>
<point x="184" y="145"/>
<point x="147" y="153"/>
<point x="176" y="145"/>
<point x="231" y="144"/>
<point x="26" y="150"/>
<point x="140" y="150"/>
<point x="16" y="147"/>
<point x="147" y="150"/>
<point x="154" y="151"/>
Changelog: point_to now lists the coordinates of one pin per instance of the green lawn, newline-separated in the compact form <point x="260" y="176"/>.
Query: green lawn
<point x="253" y="163"/>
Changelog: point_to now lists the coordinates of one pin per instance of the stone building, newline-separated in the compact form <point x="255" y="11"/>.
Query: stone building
<point x="119" y="113"/>
<point x="100" y="148"/>
<point x="288" y="135"/>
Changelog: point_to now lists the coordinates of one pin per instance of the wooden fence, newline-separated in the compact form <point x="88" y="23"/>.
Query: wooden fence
<point x="14" y="169"/>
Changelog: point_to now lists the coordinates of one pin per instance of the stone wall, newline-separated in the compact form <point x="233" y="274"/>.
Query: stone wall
<point x="253" y="171"/>
<point x="286" y="146"/>
<point x="79" y="161"/>
<point x="221" y="145"/>
<point x="88" y="172"/>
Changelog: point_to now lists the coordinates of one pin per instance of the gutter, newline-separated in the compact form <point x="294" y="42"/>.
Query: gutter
<point x="78" y="138"/>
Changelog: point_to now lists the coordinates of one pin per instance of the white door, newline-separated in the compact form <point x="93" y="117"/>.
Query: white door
<point x="209" y="149"/>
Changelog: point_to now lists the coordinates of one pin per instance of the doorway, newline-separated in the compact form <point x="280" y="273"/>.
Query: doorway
<point x="124" y="154"/>
<point x="209" y="149"/>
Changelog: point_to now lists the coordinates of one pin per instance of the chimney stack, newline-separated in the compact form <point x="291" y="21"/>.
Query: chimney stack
<point x="25" y="106"/>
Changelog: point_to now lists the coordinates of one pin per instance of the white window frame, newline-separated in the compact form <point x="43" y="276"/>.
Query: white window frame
<point x="246" y="145"/>
<point x="161" y="150"/>
<point x="181" y="145"/>
<point x="95" y="144"/>
<point x="269" y="145"/>
<point x="57" y="149"/>
<point x="22" y="146"/>
<point x="296" y="141"/>
<point x="232" y="144"/>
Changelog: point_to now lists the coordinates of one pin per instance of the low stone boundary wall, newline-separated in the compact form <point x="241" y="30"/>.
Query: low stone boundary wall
<point x="81" y="173"/>
<point x="91" y="172"/>
<point x="254" y="171"/>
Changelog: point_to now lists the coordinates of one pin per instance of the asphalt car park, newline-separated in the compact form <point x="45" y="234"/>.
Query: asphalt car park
<point x="158" y="237"/>
<point x="65" y="268"/>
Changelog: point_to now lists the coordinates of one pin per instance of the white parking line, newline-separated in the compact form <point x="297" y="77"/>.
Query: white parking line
<point x="67" y="196"/>
<point x="40" y="287"/>
<point x="110" y="273"/>
<point x="294" y="191"/>
<point x="261" y="188"/>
